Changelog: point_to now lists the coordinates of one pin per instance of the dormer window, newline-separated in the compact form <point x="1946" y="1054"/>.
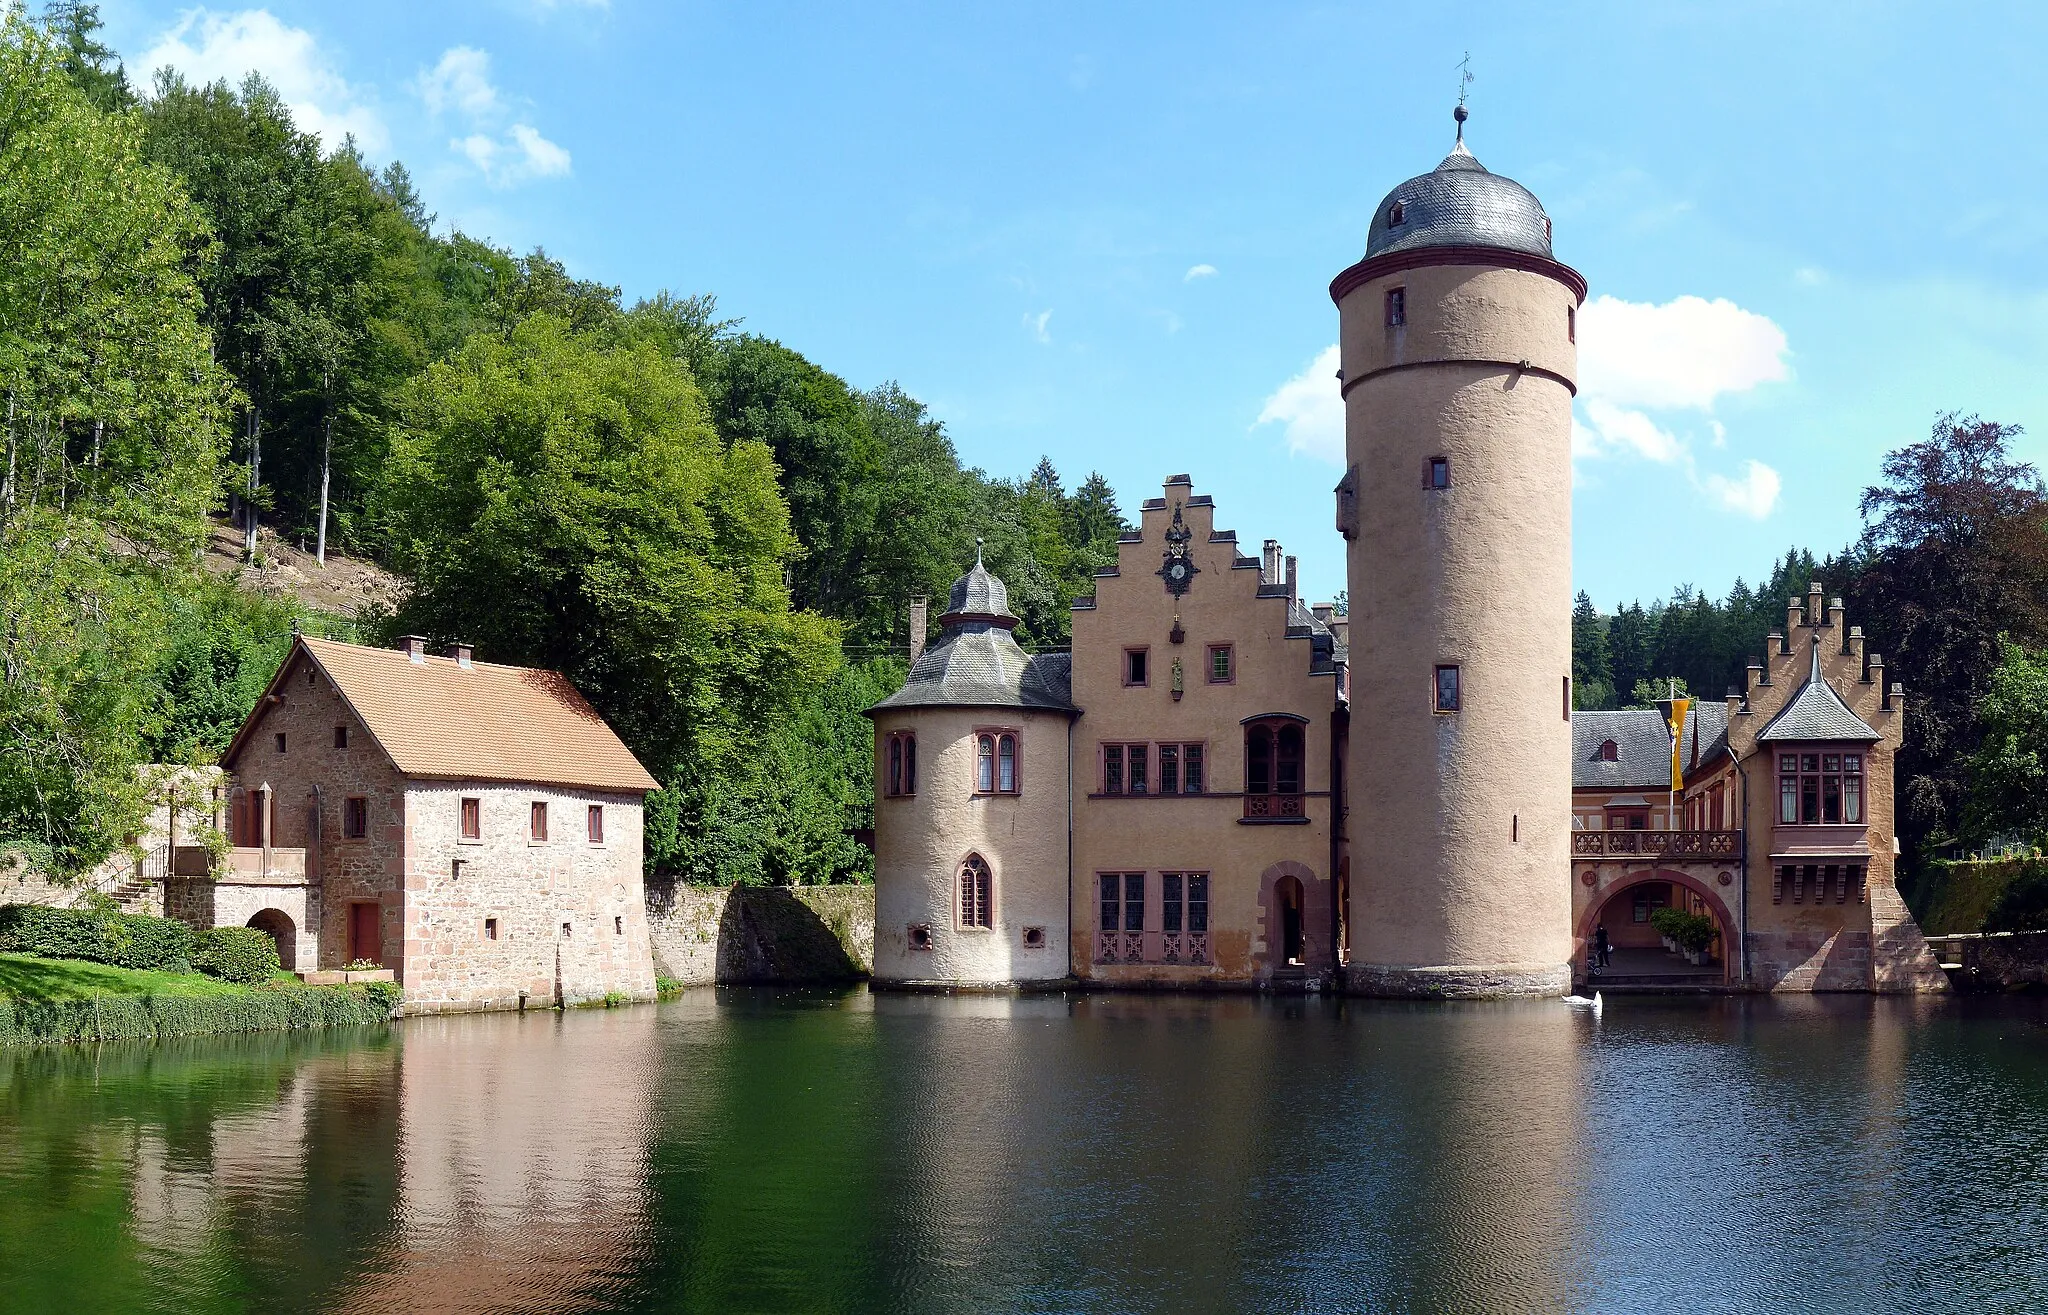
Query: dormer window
<point x="1609" y="752"/>
<point x="1397" y="215"/>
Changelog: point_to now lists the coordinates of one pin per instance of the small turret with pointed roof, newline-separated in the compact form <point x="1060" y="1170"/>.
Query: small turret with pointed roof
<point x="979" y="596"/>
<point x="976" y="661"/>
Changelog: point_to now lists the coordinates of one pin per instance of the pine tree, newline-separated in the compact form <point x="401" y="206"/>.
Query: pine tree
<point x="1592" y="665"/>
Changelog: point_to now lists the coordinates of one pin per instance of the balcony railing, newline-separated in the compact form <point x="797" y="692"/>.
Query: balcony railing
<point x="246" y="865"/>
<point x="1272" y="807"/>
<point x="1657" y="844"/>
<point x="1174" y="947"/>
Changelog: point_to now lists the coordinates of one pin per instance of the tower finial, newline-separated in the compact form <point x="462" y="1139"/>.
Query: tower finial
<point x="1464" y="80"/>
<point x="977" y="550"/>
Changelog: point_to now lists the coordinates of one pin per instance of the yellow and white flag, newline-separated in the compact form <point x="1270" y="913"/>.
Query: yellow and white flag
<point x="1679" y="708"/>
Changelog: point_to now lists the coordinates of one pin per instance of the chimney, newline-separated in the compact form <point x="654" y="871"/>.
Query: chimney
<point x="1323" y="612"/>
<point x="463" y="655"/>
<point x="1853" y="643"/>
<point x="920" y="606"/>
<point x="1756" y="676"/>
<point x="1876" y="677"/>
<point x="414" y="647"/>
<point x="1795" y="616"/>
<point x="1269" y="566"/>
<point x="1835" y="610"/>
<point x="1292" y="591"/>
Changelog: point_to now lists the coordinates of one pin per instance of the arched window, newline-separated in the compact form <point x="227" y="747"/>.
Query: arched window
<point x="901" y="773"/>
<point x="996" y="767"/>
<point x="977" y="893"/>
<point x="1608" y="752"/>
<point x="1274" y="758"/>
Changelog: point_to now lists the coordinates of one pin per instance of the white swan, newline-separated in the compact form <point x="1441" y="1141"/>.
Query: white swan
<point x="1581" y="1002"/>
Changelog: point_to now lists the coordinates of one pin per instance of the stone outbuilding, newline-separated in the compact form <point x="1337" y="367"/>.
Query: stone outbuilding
<point x="475" y="828"/>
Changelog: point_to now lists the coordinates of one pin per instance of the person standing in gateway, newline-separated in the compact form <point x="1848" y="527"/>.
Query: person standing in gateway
<point x="1601" y="944"/>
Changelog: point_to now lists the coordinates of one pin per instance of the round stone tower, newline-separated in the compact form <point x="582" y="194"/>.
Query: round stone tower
<point x="971" y="773"/>
<point x="1457" y="332"/>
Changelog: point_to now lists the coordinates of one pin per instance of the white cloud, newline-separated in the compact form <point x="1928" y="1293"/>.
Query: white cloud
<point x="460" y="84"/>
<point x="1754" y="495"/>
<point x="462" y="81"/>
<point x="1036" y="323"/>
<point x="1198" y="272"/>
<point x="1311" y="407"/>
<point x="1683" y="353"/>
<point x="1809" y="276"/>
<point x="207" y="46"/>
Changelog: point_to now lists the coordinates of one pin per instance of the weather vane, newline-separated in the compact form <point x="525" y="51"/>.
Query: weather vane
<point x="1464" y="81"/>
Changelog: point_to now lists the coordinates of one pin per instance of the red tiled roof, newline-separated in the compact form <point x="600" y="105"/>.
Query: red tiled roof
<point x="437" y="718"/>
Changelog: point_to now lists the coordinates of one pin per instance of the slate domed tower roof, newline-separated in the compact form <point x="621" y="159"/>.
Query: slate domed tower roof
<point x="1459" y="204"/>
<point x="977" y="662"/>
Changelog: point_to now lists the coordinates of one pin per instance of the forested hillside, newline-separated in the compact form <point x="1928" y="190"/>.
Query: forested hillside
<point x="203" y="313"/>
<point x="1949" y="581"/>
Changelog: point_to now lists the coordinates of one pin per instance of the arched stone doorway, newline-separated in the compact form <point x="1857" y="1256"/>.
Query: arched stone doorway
<point x="277" y="925"/>
<point x="1289" y="900"/>
<point x="1638" y="951"/>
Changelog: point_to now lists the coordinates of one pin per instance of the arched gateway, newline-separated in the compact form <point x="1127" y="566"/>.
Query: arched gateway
<point x="1625" y="906"/>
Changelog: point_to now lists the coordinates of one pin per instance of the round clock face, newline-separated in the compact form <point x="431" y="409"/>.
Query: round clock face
<point x="1178" y="572"/>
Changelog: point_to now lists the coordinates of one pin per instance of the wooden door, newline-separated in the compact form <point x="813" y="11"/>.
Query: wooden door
<point x="366" y="932"/>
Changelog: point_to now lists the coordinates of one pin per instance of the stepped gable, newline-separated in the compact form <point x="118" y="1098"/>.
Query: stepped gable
<point x="1816" y="712"/>
<point x="452" y="718"/>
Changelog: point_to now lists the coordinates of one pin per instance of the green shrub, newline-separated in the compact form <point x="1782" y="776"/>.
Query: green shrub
<point x="1691" y="931"/>
<point x="667" y="988"/>
<point x="98" y="933"/>
<point x="156" y="1017"/>
<point x="2023" y="905"/>
<point x="237" y="954"/>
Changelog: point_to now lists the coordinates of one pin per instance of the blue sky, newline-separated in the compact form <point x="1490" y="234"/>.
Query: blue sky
<point x="1104" y="233"/>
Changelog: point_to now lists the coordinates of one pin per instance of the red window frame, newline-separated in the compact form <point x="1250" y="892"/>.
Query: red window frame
<point x="537" y="821"/>
<point x="998" y="761"/>
<point x="1229" y="655"/>
<point x="593" y="822"/>
<point x="1137" y="667"/>
<point x="1824" y="787"/>
<point x="471" y="813"/>
<point x="899" y="764"/>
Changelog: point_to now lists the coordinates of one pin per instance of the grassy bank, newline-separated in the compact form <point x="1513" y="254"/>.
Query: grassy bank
<point x="57" y="1000"/>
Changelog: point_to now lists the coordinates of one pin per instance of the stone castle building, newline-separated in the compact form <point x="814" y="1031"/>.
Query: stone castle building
<point x="1221" y="786"/>
<point x="474" y="828"/>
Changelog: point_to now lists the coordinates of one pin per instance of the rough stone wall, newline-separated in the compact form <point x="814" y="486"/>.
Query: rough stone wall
<point x="570" y="914"/>
<point x="1797" y="942"/>
<point x="1157" y="833"/>
<point x="310" y="782"/>
<point x="708" y="934"/>
<point x="921" y="842"/>
<point x="1460" y="822"/>
<point x="2001" y="961"/>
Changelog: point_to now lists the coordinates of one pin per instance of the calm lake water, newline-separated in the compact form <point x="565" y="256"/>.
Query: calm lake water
<point x="756" y="1150"/>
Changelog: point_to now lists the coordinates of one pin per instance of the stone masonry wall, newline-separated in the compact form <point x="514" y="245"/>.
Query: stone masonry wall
<point x="503" y="916"/>
<point x="707" y="934"/>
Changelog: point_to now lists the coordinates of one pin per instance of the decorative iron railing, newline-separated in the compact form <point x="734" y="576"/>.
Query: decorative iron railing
<point x="1188" y="947"/>
<point x="1185" y="947"/>
<point x="1657" y="844"/>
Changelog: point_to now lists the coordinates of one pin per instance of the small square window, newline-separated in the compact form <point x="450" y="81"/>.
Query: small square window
<point x="1034" y="938"/>
<point x="341" y="737"/>
<point x="472" y="819"/>
<point x="490" y="929"/>
<point x="1136" y="666"/>
<point x="355" y="817"/>
<point x="594" y="823"/>
<point x="1438" y="473"/>
<point x="1221" y="668"/>
<point x="920" y="936"/>
<point x="1397" y="307"/>
<point x="538" y="826"/>
<point x="1447" y="692"/>
<point x="280" y="741"/>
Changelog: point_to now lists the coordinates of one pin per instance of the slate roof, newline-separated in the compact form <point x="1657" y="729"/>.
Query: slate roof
<point x="1643" y="750"/>
<point x="1460" y="204"/>
<point x="1706" y="733"/>
<point x="977" y="663"/>
<point x="1816" y="712"/>
<point x="485" y="722"/>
